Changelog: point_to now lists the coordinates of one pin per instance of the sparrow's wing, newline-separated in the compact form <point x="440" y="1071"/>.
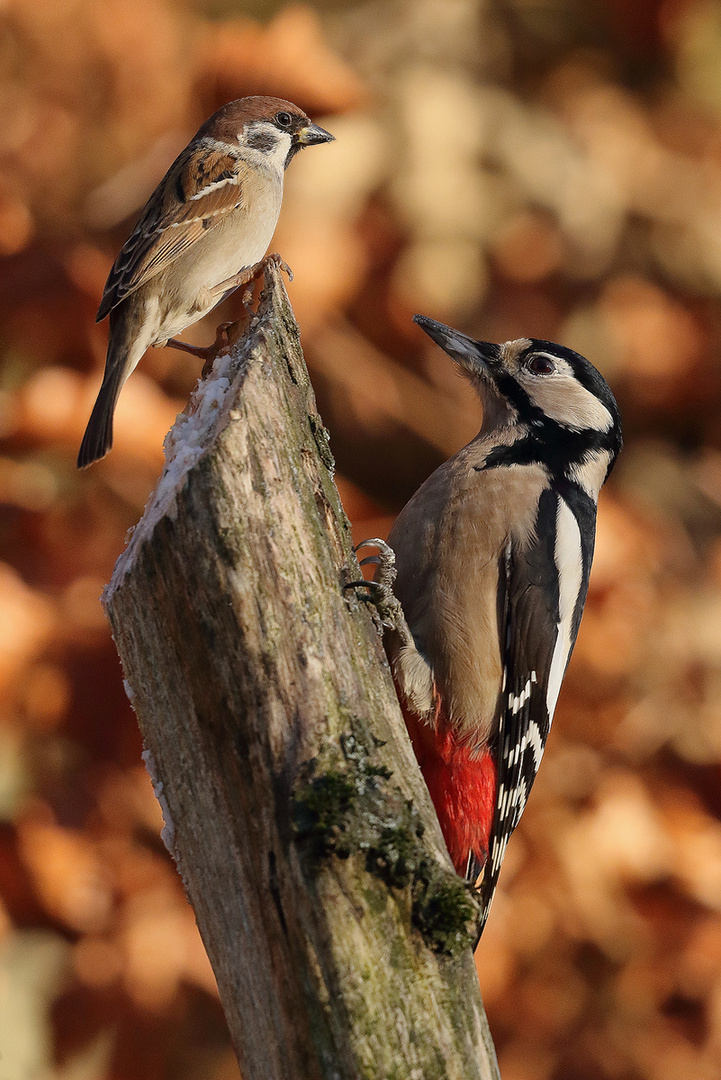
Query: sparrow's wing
<point x="199" y="189"/>
<point x="543" y="589"/>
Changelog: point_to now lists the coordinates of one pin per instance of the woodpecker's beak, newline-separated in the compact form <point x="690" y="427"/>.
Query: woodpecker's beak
<point x="476" y="357"/>
<point x="312" y="134"/>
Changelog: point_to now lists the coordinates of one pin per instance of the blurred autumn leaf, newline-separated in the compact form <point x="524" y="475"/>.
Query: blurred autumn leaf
<point x="516" y="168"/>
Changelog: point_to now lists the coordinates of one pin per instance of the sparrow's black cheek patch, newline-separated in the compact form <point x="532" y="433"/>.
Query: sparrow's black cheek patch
<point x="261" y="140"/>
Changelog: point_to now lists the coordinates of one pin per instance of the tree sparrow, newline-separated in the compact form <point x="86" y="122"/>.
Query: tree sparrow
<point x="203" y="233"/>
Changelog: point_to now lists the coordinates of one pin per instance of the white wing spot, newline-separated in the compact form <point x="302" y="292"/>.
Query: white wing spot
<point x="536" y="742"/>
<point x="516" y="702"/>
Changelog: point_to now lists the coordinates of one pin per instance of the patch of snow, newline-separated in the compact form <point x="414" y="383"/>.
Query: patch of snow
<point x="185" y="443"/>
<point x="167" y="833"/>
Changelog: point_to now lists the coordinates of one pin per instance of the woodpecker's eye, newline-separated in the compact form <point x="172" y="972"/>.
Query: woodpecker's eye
<point x="283" y="120"/>
<point x="540" y="364"/>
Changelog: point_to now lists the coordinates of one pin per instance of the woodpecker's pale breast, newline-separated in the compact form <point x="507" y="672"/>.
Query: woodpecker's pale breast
<point x="448" y="542"/>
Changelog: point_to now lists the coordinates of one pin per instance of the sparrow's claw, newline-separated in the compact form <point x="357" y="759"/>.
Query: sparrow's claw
<point x="223" y="341"/>
<point x="202" y="351"/>
<point x="275" y="259"/>
<point x="247" y="278"/>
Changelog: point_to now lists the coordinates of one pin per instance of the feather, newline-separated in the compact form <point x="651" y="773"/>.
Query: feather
<point x="542" y="590"/>
<point x="198" y="191"/>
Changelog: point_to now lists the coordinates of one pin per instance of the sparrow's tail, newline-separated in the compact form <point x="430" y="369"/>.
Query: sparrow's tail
<point x="126" y="345"/>
<point x="98" y="437"/>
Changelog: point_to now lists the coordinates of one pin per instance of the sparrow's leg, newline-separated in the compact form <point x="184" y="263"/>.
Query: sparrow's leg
<point x="205" y="352"/>
<point x="250" y="275"/>
<point x="380" y="590"/>
<point x="223" y="337"/>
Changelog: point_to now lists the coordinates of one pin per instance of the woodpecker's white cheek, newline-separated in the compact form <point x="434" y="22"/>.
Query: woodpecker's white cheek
<point x="569" y="565"/>
<point x="563" y="399"/>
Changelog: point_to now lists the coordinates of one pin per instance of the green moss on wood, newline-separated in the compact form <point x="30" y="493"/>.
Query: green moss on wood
<point x="445" y="911"/>
<point x="346" y="806"/>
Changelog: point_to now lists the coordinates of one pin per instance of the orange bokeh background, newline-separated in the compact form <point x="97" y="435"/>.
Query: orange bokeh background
<point x="514" y="168"/>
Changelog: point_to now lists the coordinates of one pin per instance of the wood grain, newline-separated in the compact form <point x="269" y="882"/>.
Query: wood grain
<point x="299" y="821"/>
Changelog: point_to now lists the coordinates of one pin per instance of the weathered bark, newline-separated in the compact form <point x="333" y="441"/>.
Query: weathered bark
<point x="295" y="811"/>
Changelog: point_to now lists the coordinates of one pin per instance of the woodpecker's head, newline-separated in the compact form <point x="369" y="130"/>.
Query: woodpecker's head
<point x="560" y="406"/>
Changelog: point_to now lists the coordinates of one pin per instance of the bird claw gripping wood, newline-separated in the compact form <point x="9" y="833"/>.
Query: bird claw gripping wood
<point x="259" y="271"/>
<point x="380" y="590"/>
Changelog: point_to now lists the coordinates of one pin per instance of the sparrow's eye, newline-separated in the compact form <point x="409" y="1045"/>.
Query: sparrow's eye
<point x="283" y="120"/>
<point x="540" y="364"/>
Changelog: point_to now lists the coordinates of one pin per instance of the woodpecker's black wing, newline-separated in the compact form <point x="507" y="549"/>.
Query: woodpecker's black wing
<point x="542" y="590"/>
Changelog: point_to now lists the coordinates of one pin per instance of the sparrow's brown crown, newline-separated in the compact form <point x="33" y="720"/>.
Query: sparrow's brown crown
<point x="230" y="119"/>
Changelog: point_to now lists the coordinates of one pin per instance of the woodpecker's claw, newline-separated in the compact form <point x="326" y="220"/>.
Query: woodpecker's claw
<point x="375" y="541"/>
<point x="385" y="560"/>
<point x="380" y="590"/>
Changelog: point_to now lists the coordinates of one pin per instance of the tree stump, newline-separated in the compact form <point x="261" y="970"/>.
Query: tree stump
<point x="294" y="808"/>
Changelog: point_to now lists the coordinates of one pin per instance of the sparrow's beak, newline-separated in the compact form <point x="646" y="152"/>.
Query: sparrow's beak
<point x="312" y="134"/>
<point x="476" y="357"/>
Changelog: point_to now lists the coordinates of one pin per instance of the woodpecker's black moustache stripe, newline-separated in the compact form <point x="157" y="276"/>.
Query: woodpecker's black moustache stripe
<point x="554" y="434"/>
<point x="555" y="447"/>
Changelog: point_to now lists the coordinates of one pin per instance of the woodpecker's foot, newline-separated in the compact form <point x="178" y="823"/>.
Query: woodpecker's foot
<point x="380" y="590"/>
<point x="385" y="560"/>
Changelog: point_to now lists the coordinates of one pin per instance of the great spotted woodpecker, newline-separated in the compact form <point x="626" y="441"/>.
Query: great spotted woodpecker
<point x="491" y="559"/>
